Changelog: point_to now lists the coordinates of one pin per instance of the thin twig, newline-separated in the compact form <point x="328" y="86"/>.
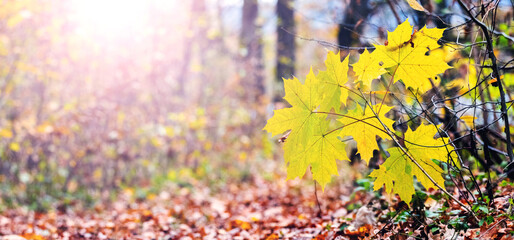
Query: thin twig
<point x="327" y="43"/>
<point x="320" y="213"/>
<point x="406" y="152"/>
<point x="496" y="74"/>
<point x="491" y="227"/>
<point x="393" y="9"/>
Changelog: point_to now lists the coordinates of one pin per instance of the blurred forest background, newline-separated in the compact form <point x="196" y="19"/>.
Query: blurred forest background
<point x="99" y="97"/>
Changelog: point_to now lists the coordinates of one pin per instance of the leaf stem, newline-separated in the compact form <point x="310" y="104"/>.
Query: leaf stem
<point x="356" y="120"/>
<point x="387" y="90"/>
<point x="320" y="212"/>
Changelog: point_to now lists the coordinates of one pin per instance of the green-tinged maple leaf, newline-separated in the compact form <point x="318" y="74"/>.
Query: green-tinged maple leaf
<point x="408" y="54"/>
<point x="307" y="145"/>
<point x="300" y="118"/>
<point x="367" y="68"/>
<point x="397" y="172"/>
<point x="332" y="82"/>
<point x="364" y="126"/>
<point x="320" y="153"/>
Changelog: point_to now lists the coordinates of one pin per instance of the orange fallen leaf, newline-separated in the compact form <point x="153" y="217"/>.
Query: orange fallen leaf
<point x="241" y="224"/>
<point x="361" y="231"/>
<point x="320" y="237"/>
<point x="272" y="236"/>
<point x="32" y="236"/>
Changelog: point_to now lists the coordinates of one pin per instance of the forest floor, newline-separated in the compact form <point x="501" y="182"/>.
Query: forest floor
<point x="265" y="209"/>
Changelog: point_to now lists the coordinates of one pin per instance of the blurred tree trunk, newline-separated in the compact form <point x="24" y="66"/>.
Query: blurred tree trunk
<point x="251" y="51"/>
<point x="350" y="27"/>
<point x="285" y="39"/>
<point x="203" y="46"/>
<point x="196" y="30"/>
<point x="348" y="34"/>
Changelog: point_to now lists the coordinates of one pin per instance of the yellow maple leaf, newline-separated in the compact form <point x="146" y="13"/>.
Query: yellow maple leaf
<point x="320" y="153"/>
<point x="304" y="99"/>
<point x="415" y="5"/>
<point x="397" y="172"/>
<point x="364" y="126"/>
<point x="332" y="82"/>
<point x="308" y="143"/>
<point x="368" y="67"/>
<point x="408" y="54"/>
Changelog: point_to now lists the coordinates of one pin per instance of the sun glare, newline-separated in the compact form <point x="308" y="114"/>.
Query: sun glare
<point x="110" y="18"/>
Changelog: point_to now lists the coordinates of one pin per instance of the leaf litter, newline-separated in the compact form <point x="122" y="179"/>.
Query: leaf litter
<point x="264" y="209"/>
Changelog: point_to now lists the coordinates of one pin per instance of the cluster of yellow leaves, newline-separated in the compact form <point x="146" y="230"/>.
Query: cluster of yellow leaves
<point x="315" y="139"/>
<point x="409" y="56"/>
<point x="398" y="170"/>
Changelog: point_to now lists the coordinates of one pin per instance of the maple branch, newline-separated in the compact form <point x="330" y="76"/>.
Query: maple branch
<point x="496" y="74"/>
<point x="437" y="128"/>
<point x="333" y="130"/>
<point x="356" y="120"/>
<point x="450" y="142"/>
<point x="433" y="103"/>
<point x="326" y="43"/>
<point x="393" y="9"/>
<point x="431" y="179"/>
<point x="482" y="128"/>
<point x="495" y="32"/>
<point x="387" y="89"/>
<point x="406" y="152"/>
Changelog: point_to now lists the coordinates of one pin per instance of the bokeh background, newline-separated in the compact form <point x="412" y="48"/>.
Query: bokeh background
<point x="102" y="97"/>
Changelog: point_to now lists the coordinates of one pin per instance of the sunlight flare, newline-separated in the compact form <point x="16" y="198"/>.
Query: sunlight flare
<point x="111" y="18"/>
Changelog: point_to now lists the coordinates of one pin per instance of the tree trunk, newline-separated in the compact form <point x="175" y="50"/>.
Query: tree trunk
<point x="285" y="39"/>
<point x="354" y="12"/>
<point x="197" y="12"/>
<point x="251" y="49"/>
